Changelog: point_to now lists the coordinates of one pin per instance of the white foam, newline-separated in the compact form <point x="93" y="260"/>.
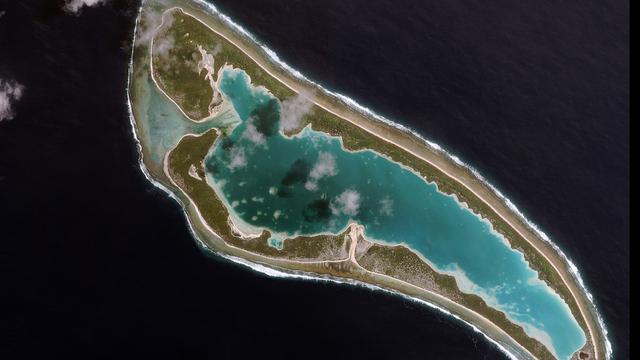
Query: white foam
<point x="354" y="104"/>
<point x="366" y="111"/>
<point x="277" y="273"/>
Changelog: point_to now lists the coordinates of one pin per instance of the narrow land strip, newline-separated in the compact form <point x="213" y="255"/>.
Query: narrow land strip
<point x="474" y="186"/>
<point x="416" y="147"/>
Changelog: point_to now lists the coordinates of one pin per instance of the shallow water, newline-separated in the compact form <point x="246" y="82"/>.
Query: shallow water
<point x="309" y="184"/>
<point x="164" y="124"/>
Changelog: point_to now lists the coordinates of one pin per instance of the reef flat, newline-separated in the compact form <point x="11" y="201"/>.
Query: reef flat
<point x="273" y="169"/>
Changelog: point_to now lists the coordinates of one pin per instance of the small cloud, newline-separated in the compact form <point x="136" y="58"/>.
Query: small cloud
<point x="162" y="52"/>
<point x="324" y="167"/>
<point x="150" y="23"/>
<point x="292" y="111"/>
<point x="252" y="133"/>
<point x="74" y="6"/>
<point x="216" y="50"/>
<point x="10" y="91"/>
<point x="163" y="46"/>
<point x="347" y="203"/>
<point x="237" y="158"/>
<point x="386" y="206"/>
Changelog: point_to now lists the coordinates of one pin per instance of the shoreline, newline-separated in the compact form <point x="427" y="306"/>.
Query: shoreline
<point x="274" y="271"/>
<point x="431" y="159"/>
<point x="346" y="271"/>
<point x="272" y="264"/>
<point x="435" y="156"/>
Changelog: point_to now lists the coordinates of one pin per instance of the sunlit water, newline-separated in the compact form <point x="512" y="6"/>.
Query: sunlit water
<point x="310" y="184"/>
<point x="164" y="124"/>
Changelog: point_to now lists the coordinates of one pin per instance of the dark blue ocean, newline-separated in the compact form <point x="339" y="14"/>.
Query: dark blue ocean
<point x="97" y="263"/>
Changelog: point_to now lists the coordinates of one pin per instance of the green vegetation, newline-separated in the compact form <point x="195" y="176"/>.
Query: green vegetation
<point x="353" y="137"/>
<point x="304" y="248"/>
<point x="191" y="151"/>
<point x="395" y="261"/>
<point x="401" y="263"/>
<point x="187" y="33"/>
<point x="175" y="65"/>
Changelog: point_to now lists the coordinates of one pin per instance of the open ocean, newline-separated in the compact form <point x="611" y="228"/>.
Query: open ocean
<point x="98" y="263"/>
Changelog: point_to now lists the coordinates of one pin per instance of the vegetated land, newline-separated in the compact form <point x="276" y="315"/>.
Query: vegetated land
<point x="356" y="138"/>
<point x="191" y="151"/>
<point x="401" y="263"/>
<point x="176" y="57"/>
<point x="175" y="66"/>
<point x="195" y="33"/>
<point x="395" y="261"/>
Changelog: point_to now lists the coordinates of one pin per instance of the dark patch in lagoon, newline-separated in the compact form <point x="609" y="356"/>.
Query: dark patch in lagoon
<point x="212" y="166"/>
<point x="318" y="210"/>
<point x="266" y="117"/>
<point x="284" y="193"/>
<point x="227" y="143"/>
<point x="297" y="173"/>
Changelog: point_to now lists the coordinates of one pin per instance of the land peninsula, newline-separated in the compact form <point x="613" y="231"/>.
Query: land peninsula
<point x="189" y="57"/>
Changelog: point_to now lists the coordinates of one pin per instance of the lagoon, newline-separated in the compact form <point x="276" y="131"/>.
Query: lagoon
<point x="310" y="184"/>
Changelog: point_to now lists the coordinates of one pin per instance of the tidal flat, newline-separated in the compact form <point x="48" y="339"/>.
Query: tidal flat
<point x="320" y="177"/>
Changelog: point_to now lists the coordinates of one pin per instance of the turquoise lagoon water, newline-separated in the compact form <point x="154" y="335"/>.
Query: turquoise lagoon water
<point x="310" y="184"/>
<point x="164" y="124"/>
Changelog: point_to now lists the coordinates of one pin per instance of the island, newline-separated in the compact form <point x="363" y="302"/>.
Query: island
<point x="273" y="170"/>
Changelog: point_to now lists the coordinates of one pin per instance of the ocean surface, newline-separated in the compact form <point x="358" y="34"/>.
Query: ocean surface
<point x="309" y="184"/>
<point x="100" y="263"/>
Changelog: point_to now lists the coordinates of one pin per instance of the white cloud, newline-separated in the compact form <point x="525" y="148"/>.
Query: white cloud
<point x="347" y="203"/>
<point x="324" y="167"/>
<point x="386" y="206"/>
<point x="216" y="50"/>
<point x="292" y="111"/>
<point x="163" y="45"/>
<point x="151" y="20"/>
<point x="74" y="6"/>
<point x="10" y="91"/>
<point x="238" y="159"/>
<point x="252" y="133"/>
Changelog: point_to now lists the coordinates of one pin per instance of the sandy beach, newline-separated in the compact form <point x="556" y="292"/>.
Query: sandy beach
<point x="418" y="148"/>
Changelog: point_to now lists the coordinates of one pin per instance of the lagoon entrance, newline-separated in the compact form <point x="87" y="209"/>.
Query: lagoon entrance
<point x="309" y="184"/>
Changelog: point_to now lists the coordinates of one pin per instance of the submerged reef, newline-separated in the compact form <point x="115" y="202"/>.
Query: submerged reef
<point x="276" y="171"/>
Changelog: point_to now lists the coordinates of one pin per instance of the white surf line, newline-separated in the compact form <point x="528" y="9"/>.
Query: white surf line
<point x="364" y="110"/>
<point x="277" y="273"/>
<point x="265" y="258"/>
<point x="270" y="271"/>
<point x="360" y="109"/>
<point x="580" y="306"/>
<point x="273" y="272"/>
<point x="356" y="230"/>
<point x="208" y="228"/>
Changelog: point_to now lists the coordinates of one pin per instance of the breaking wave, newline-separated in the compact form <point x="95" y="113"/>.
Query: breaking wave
<point x="370" y="113"/>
